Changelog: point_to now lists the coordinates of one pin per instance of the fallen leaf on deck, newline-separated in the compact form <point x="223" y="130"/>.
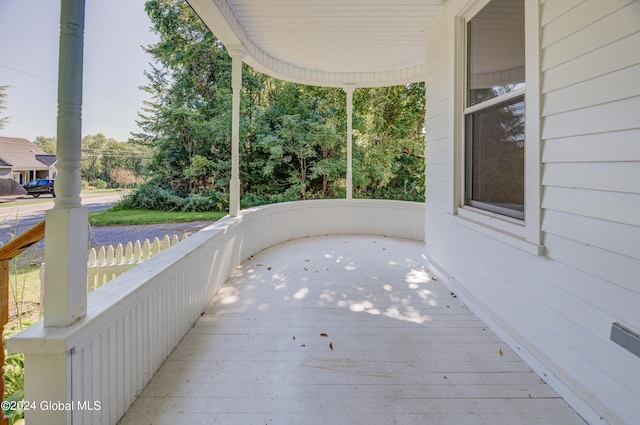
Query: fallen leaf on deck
<point x="433" y="278"/>
<point x="294" y="337"/>
<point x="269" y="268"/>
<point x="324" y="334"/>
<point x="331" y="346"/>
<point x="306" y="269"/>
<point x="501" y="351"/>
<point x="259" y="264"/>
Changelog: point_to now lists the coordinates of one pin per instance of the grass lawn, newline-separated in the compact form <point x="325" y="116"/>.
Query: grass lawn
<point x="123" y="217"/>
<point x="24" y="294"/>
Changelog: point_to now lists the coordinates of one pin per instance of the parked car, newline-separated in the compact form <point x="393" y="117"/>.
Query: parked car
<point x="39" y="186"/>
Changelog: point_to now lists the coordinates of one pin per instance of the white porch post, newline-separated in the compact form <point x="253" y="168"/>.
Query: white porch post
<point x="237" y="54"/>
<point x="349" y="89"/>
<point x="48" y="376"/>
<point x="65" y="297"/>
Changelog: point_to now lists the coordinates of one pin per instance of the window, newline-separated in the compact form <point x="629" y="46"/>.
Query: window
<point x="494" y="112"/>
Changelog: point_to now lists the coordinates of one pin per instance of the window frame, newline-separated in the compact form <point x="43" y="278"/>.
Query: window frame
<point x="523" y="234"/>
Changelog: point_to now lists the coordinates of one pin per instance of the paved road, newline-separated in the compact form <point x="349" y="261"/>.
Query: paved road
<point x="18" y="216"/>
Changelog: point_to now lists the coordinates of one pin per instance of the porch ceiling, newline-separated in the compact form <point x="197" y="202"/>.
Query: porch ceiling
<point x="329" y="43"/>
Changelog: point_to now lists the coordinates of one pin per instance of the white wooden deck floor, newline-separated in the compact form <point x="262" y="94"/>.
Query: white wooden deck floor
<point x="343" y="330"/>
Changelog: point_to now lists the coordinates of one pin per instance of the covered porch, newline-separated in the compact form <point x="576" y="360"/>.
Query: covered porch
<point x="399" y="347"/>
<point x="343" y="330"/>
<point x="303" y="312"/>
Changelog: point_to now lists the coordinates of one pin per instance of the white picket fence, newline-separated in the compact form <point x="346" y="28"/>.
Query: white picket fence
<point x="107" y="263"/>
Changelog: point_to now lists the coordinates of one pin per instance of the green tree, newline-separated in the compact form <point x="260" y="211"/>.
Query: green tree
<point x="389" y="151"/>
<point x="3" y="99"/>
<point x="189" y="116"/>
<point x="47" y="144"/>
<point x="292" y="137"/>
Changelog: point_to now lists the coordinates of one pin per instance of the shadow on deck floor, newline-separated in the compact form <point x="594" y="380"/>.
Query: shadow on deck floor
<point x="343" y="330"/>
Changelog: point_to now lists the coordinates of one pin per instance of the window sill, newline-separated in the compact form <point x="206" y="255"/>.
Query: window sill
<point x="501" y="228"/>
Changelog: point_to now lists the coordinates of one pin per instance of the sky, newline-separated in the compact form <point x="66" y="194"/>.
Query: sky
<point x="114" y="65"/>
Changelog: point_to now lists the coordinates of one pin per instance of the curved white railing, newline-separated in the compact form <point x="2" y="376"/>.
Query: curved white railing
<point x="135" y="321"/>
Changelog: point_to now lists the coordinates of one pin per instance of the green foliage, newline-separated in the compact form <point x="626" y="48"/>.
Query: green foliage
<point x="292" y="137"/>
<point x="14" y="384"/>
<point x="3" y="99"/>
<point x="152" y="197"/>
<point x="47" y="144"/>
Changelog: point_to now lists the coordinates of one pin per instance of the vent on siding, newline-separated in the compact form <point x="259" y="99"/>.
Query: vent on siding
<point x="626" y="338"/>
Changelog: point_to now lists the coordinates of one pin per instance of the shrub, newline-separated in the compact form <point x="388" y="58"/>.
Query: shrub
<point x="152" y="197"/>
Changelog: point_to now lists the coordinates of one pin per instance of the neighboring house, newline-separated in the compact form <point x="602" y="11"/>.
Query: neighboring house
<point x="532" y="191"/>
<point x="24" y="161"/>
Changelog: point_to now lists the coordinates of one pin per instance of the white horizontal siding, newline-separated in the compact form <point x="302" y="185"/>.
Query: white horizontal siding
<point x="620" y="54"/>
<point x="560" y="306"/>
<point x="612" y="116"/>
<point x="591" y="173"/>
<point x="610" y="235"/>
<point x="599" y="90"/>
<point x="552" y="10"/>
<point x="590" y="31"/>
<point x="608" y="176"/>
<point x="604" y="282"/>
<point x="594" y="204"/>
<point x="616" y="146"/>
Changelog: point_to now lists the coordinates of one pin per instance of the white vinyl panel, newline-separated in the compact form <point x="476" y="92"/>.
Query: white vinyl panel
<point x="439" y="76"/>
<point x="618" y="55"/>
<point x="581" y="16"/>
<point x="84" y="357"/>
<point x="611" y="278"/>
<point x="121" y="368"/>
<point x="104" y="372"/>
<point x="155" y="346"/>
<point x="437" y="119"/>
<point x="129" y="347"/>
<point x="613" y="116"/>
<point x="112" y="377"/>
<point x="438" y="182"/>
<point x="593" y="92"/>
<point x="551" y="10"/>
<point x="345" y="220"/>
<point x="436" y="199"/>
<point x="438" y="127"/>
<point x="437" y="169"/>
<point x="437" y="146"/>
<point x="604" y="147"/>
<point x="97" y="359"/>
<point x="600" y="33"/>
<point x="393" y="222"/>
<point x="620" y="238"/>
<point x="140" y="371"/>
<point x="613" y="206"/>
<point x="146" y="332"/>
<point x="606" y="176"/>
